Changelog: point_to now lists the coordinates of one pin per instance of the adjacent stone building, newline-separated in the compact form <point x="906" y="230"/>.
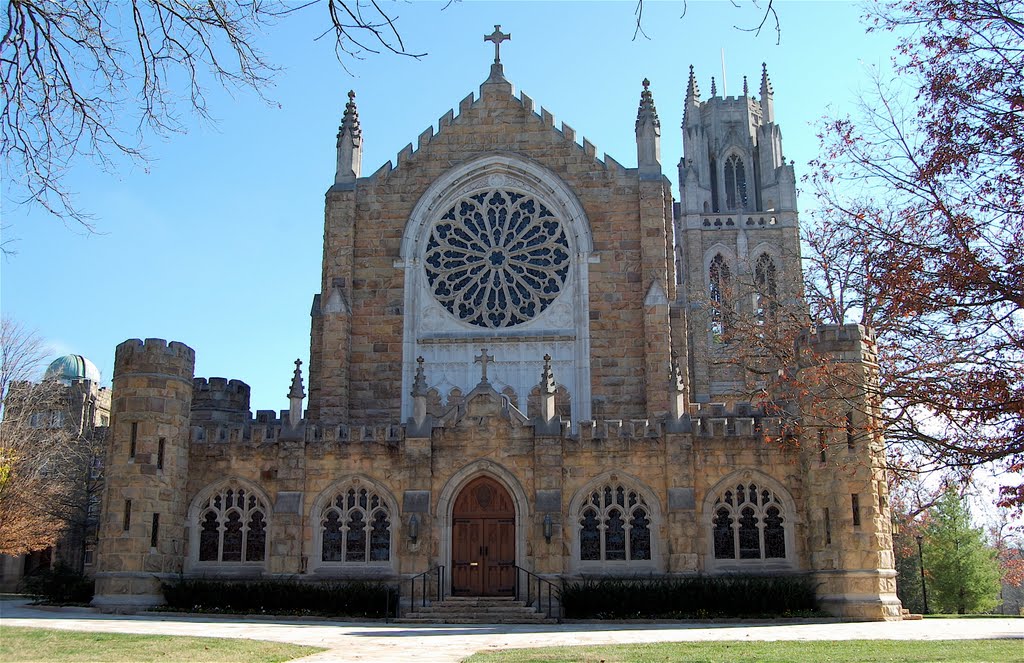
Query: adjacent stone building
<point x="518" y="358"/>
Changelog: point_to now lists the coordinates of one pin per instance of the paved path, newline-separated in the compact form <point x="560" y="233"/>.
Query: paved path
<point x="373" y="641"/>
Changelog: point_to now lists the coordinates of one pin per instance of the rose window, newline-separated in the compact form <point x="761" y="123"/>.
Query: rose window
<point x="497" y="259"/>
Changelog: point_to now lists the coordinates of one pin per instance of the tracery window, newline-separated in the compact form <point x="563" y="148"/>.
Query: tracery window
<point x="735" y="183"/>
<point x="497" y="259"/>
<point x="615" y="525"/>
<point x="748" y="524"/>
<point x="233" y="526"/>
<point x="719" y="289"/>
<point x="767" y="295"/>
<point x="356" y="527"/>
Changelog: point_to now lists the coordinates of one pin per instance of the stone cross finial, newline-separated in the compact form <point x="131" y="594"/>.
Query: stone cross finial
<point x="419" y="382"/>
<point x="483" y="358"/>
<point x="295" y="396"/>
<point x="547" y="378"/>
<point x="497" y="37"/>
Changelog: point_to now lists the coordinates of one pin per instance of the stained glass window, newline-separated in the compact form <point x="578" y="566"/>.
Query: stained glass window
<point x="748" y="524"/>
<point x="233" y="527"/>
<point x="735" y="183"/>
<point x="497" y="259"/>
<point x="615" y="525"/>
<point x="356" y="527"/>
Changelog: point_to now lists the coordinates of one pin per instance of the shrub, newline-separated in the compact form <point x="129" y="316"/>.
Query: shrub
<point x="350" y="599"/>
<point x="59" y="585"/>
<point x="698" y="597"/>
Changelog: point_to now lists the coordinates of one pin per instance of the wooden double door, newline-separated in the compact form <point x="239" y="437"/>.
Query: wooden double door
<point x="483" y="540"/>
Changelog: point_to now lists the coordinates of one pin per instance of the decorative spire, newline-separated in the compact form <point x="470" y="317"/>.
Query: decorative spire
<point x="297" y="391"/>
<point x="547" y="378"/>
<point x="714" y="88"/>
<point x="350" y="144"/>
<point x="692" y="90"/>
<point x="419" y="383"/>
<point x="647" y="111"/>
<point x="547" y="392"/>
<point x="295" y="396"/>
<point x="350" y="120"/>
<point x="766" y="84"/>
<point x="677" y="390"/>
<point x="746" y="89"/>
<point x="648" y="135"/>
<point x="767" y="98"/>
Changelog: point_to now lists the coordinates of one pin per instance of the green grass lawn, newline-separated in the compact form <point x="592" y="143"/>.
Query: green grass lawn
<point x="840" y="651"/>
<point x="42" y="644"/>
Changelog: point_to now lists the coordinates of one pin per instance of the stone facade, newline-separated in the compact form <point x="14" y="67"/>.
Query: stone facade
<point x="499" y="319"/>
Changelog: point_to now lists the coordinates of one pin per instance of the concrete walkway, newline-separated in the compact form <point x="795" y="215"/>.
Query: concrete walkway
<point x="374" y="641"/>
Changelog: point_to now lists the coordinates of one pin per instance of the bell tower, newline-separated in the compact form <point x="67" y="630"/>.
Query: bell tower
<point x="737" y="238"/>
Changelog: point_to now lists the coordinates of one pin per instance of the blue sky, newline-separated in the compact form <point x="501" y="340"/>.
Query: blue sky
<point x="217" y="241"/>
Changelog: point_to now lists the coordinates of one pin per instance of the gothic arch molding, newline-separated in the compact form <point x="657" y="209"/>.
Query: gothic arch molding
<point x="195" y="510"/>
<point x="452" y="488"/>
<point x="791" y="517"/>
<point x="323" y="501"/>
<point x="435" y="324"/>
<point x="658" y="525"/>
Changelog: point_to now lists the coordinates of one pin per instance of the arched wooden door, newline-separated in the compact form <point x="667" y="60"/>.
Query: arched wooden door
<point x="483" y="540"/>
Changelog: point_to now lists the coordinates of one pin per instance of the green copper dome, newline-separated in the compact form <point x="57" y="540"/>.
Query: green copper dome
<point x="72" y="367"/>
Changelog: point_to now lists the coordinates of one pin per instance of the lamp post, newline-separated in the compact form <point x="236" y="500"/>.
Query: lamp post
<point x="920" y="558"/>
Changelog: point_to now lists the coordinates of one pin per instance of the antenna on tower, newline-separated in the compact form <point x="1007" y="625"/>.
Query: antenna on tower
<point x="725" y="86"/>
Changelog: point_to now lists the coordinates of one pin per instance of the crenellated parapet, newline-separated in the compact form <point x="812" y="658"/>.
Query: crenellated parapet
<point x="220" y="400"/>
<point x="848" y="343"/>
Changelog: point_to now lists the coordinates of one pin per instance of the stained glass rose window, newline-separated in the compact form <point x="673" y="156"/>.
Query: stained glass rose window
<point x="497" y="259"/>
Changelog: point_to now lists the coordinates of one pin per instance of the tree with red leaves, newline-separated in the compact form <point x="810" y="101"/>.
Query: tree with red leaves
<point x="921" y="234"/>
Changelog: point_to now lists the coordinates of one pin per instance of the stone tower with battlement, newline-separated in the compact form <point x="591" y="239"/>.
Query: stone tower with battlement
<point x="843" y="456"/>
<point x="142" y="541"/>
<point x="737" y="236"/>
<point x="516" y="365"/>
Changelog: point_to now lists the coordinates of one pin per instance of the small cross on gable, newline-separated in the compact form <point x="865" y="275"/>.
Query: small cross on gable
<point x="497" y="37"/>
<point x="483" y="358"/>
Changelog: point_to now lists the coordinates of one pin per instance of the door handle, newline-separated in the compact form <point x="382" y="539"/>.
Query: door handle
<point x="474" y="564"/>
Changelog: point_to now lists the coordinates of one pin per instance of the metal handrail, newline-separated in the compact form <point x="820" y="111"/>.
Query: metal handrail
<point x="534" y="580"/>
<point x="422" y="577"/>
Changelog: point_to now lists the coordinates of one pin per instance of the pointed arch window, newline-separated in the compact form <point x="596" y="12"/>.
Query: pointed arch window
<point x="767" y="295"/>
<point x="355" y="527"/>
<point x="735" y="183"/>
<point x="614" y="525"/>
<point x="719" y="289"/>
<point x="233" y="526"/>
<point x="748" y="523"/>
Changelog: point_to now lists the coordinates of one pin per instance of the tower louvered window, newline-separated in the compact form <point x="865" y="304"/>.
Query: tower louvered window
<point x="767" y="295"/>
<point x="233" y="527"/>
<point x="719" y="289"/>
<point x="735" y="184"/>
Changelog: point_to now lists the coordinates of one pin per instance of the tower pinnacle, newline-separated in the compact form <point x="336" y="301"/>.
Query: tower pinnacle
<point x="350" y="144"/>
<point x="767" y="95"/>
<point x="648" y="135"/>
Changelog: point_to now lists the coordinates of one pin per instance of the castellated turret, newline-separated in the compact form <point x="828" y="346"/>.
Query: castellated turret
<point x="141" y="537"/>
<point x="850" y="537"/>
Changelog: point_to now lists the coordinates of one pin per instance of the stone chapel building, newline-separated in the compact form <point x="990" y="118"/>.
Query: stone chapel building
<point x="515" y="361"/>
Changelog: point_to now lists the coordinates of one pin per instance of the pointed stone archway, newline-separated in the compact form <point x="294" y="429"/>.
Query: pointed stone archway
<point x="483" y="540"/>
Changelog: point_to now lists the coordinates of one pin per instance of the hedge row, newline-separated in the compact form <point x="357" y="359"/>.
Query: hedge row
<point x="348" y="599"/>
<point x="698" y="597"/>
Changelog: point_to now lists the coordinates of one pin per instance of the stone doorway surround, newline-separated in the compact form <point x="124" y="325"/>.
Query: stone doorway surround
<point x="483" y="540"/>
<point x="446" y="504"/>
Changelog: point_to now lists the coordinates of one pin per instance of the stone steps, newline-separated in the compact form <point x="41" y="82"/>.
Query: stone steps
<point x="906" y="615"/>
<point x="475" y="610"/>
